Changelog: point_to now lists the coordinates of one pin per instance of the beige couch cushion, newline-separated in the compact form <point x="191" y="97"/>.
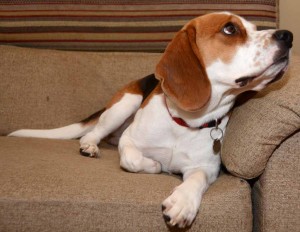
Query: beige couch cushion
<point x="259" y="126"/>
<point x="47" y="88"/>
<point x="47" y="186"/>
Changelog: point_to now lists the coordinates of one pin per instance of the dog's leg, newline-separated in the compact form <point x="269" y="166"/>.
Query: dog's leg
<point x="181" y="207"/>
<point x="133" y="160"/>
<point x="109" y="121"/>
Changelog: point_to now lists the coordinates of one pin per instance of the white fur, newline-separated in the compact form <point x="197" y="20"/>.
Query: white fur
<point x="110" y="121"/>
<point x="153" y="142"/>
<point x="72" y="131"/>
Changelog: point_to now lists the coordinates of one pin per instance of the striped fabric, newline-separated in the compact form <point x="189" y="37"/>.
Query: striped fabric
<point x="114" y="25"/>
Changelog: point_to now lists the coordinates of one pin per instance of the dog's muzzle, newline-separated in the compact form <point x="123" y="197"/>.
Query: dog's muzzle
<point x="284" y="39"/>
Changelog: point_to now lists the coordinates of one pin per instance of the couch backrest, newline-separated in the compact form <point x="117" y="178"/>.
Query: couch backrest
<point x="115" y="25"/>
<point x="42" y="88"/>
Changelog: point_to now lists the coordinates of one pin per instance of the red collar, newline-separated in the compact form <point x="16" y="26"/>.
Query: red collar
<point x="183" y="123"/>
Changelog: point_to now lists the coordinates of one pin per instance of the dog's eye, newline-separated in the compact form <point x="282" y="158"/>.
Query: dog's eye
<point x="229" y="29"/>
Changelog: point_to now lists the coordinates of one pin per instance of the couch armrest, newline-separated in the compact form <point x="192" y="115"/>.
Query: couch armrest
<point x="275" y="194"/>
<point x="259" y="126"/>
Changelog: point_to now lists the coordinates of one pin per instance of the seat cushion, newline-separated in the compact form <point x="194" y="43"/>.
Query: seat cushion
<point x="47" y="186"/>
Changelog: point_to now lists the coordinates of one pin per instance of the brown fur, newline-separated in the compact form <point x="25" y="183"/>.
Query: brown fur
<point x="213" y="43"/>
<point x="133" y="88"/>
<point x="182" y="73"/>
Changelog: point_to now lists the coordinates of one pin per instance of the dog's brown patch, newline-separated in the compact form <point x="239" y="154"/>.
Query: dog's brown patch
<point x="141" y="87"/>
<point x="213" y="44"/>
<point x="132" y="87"/>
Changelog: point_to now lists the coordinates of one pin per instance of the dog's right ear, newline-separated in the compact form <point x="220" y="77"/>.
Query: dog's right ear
<point x="182" y="73"/>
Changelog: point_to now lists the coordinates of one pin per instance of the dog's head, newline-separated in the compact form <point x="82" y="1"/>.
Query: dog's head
<point x="224" y="51"/>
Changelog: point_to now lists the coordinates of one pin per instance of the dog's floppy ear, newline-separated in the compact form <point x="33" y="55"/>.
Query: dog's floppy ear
<point x="182" y="73"/>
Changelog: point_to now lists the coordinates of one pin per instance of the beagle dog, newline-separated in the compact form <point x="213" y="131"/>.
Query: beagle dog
<point x="173" y="121"/>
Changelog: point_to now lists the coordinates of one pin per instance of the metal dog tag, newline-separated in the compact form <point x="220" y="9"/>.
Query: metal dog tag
<point x="217" y="146"/>
<point x="216" y="134"/>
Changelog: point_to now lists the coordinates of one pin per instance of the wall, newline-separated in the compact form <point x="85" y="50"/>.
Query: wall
<point x="290" y="19"/>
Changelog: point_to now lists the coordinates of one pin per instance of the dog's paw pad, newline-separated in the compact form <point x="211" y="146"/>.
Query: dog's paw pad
<point x="83" y="153"/>
<point x="89" y="150"/>
<point x="166" y="218"/>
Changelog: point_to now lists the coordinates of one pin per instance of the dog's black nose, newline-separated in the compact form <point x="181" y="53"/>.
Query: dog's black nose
<point x="284" y="36"/>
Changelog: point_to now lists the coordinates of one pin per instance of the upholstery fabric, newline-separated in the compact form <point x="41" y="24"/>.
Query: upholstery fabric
<point x="259" y="126"/>
<point x="276" y="194"/>
<point x="47" y="186"/>
<point x="51" y="88"/>
<point x="114" y="25"/>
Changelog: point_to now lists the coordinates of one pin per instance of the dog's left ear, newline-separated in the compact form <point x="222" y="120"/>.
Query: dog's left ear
<point x="182" y="73"/>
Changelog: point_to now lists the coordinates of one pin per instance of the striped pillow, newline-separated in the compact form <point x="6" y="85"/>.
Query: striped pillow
<point x="114" y="25"/>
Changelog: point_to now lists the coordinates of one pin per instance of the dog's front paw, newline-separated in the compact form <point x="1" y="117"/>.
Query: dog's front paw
<point x="89" y="150"/>
<point x="180" y="208"/>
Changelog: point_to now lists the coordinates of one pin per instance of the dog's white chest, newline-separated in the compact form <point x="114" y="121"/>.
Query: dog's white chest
<point x="170" y="159"/>
<point x="173" y="146"/>
<point x="176" y="153"/>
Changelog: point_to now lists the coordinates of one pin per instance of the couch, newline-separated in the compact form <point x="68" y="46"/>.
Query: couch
<point x="47" y="186"/>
